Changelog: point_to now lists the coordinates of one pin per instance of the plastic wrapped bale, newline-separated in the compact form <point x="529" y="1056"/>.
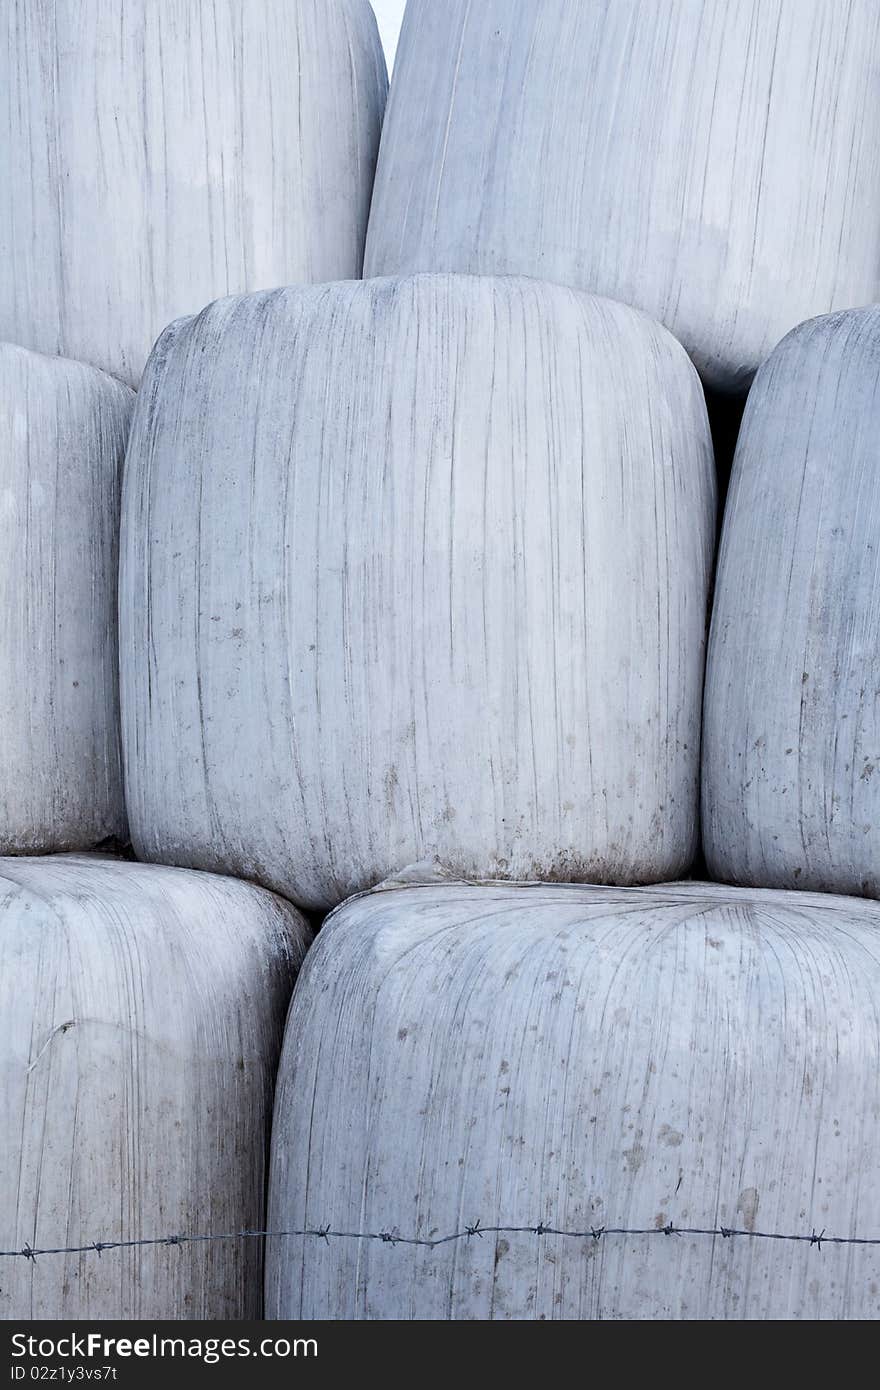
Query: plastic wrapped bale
<point x="63" y="429"/>
<point x="416" y="569"/>
<point x="160" y="153"/>
<point x="635" y="1068"/>
<point x="141" y="1019"/>
<point x="710" y="161"/>
<point x="791" y="795"/>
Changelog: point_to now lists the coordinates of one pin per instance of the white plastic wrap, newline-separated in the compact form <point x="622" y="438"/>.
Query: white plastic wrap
<point x="416" y="568"/>
<point x="141" y="1011"/>
<point x="159" y="153"/>
<point x="791" y="750"/>
<point x="581" y="1058"/>
<point x="714" y="162"/>
<point x="63" y="430"/>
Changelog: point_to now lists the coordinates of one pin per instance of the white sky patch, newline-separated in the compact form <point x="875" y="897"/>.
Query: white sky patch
<point x="389" y="13"/>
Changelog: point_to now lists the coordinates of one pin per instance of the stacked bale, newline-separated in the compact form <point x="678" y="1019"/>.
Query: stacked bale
<point x="416" y="570"/>
<point x="709" y="161"/>
<point x="142" y="1011"/>
<point x="63" y="429"/>
<point x="582" y="1059"/>
<point x="412" y="569"/>
<point x="163" y="152"/>
<point x="791" y="790"/>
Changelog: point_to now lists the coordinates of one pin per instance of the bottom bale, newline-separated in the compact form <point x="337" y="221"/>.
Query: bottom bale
<point x="141" y="1014"/>
<point x="641" y="1087"/>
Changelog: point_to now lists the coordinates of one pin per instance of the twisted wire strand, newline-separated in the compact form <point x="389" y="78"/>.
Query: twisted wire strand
<point x="476" y="1230"/>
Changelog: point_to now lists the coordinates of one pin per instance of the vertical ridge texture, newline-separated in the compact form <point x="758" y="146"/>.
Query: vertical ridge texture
<point x="713" y="162"/>
<point x="141" y="1011"/>
<point x="581" y="1057"/>
<point x="791" y="760"/>
<point x="416" y="569"/>
<point x="160" y="153"/>
<point x="63" y="430"/>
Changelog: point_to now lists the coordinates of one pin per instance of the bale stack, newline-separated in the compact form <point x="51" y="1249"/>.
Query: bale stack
<point x="157" y="155"/>
<point x="413" y="606"/>
<point x="578" y="1059"/>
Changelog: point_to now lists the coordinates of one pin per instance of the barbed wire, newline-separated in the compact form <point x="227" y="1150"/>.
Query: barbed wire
<point x="474" y="1231"/>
